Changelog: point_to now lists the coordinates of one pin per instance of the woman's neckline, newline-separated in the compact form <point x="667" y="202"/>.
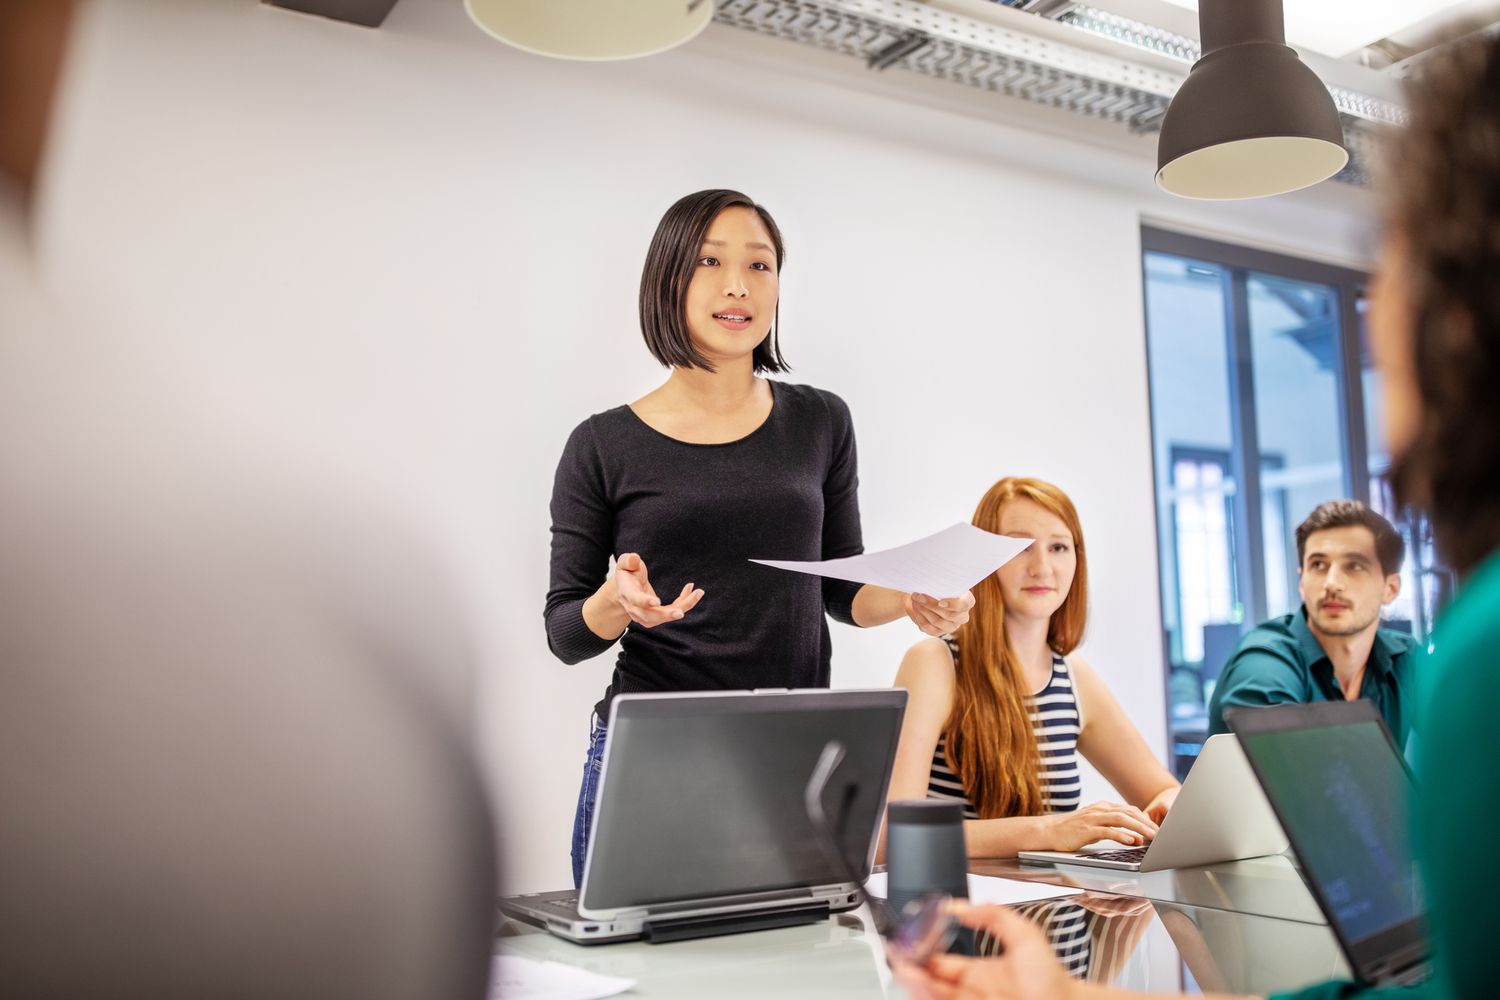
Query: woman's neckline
<point x="711" y="444"/>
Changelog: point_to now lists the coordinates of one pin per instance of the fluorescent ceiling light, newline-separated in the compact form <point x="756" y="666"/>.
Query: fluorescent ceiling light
<point x="1337" y="27"/>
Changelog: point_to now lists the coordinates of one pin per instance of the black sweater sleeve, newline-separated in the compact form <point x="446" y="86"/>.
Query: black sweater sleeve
<point x="842" y="535"/>
<point x="582" y="536"/>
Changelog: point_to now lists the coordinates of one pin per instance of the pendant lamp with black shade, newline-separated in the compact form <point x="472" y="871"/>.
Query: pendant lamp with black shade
<point x="1251" y="119"/>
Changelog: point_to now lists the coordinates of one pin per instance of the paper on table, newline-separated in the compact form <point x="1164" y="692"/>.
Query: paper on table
<point x="513" y="977"/>
<point x="988" y="889"/>
<point x="940" y="565"/>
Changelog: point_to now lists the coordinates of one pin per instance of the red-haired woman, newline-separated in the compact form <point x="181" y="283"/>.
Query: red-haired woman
<point x="1000" y="709"/>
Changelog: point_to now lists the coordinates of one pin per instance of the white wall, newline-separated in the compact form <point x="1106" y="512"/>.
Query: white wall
<point x="417" y="249"/>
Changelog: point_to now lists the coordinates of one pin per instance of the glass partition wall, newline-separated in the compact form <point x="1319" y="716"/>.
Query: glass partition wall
<point x="1263" y="405"/>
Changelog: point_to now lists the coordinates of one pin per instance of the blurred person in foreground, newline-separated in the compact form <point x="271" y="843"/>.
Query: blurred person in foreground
<point x="230" y="761"/>
<point x="1435" y="332"/>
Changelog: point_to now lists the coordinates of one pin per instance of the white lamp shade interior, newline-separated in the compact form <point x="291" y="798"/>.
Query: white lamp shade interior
<point x="592" y="29"/>
<point x="1252" y="168"/>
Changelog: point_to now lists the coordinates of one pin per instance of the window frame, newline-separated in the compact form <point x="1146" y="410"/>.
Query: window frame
<point x="1237" y="264"/>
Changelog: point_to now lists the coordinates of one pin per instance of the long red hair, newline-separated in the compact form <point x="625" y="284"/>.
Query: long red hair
<point x="990" y="744"/>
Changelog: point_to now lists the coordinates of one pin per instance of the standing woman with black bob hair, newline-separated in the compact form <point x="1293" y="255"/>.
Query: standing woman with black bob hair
<point x="713" y="468"/>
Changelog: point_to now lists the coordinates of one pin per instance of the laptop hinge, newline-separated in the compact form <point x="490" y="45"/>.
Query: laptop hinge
<point x="630" y="915"/>
<point x="663" y="931"/>
<point x="835" y="891"/>
<point x="1398" y="968"/>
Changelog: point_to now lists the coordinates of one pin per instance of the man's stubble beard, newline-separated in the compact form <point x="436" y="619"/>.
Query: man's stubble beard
<point x="1346" y="630"/>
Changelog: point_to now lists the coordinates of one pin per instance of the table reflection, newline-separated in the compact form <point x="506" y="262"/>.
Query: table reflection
<point x="1134" y="943"/>
<point x="1267" y="887"/>
<point x="1104" y="938"/>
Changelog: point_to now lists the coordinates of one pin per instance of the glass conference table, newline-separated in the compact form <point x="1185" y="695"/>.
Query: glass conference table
<point x="1242" y="927"/>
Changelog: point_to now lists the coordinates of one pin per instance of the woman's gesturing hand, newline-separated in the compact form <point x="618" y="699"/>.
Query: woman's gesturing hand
<point x="638" y="600"/>
<point x="939" y="616"/>
<point x="1069" y="831"/>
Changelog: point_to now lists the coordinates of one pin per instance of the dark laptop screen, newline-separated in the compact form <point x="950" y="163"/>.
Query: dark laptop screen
<point x="1342" y="794"/>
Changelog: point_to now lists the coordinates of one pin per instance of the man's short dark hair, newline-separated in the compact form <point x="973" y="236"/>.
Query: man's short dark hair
<point x="1390" y="549"/>
<point x="669" y="267"/>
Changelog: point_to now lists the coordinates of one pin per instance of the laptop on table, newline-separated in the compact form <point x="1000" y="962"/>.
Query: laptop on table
<point x="701" y="827"/>
<point x="1343" y="792"/>
<point x="1220" y="815"/>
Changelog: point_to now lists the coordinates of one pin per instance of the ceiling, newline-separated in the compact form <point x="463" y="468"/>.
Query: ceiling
<point x="1118" y="61"/>
<point x="1344" y="29"/>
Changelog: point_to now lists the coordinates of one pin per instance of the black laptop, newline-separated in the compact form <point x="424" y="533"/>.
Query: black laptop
<point x="701" y="827"/>
<point x="1343" y="794"/>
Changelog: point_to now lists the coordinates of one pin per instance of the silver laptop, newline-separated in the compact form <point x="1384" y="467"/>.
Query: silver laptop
<point x="701" y="827"/>
<point x="1221" y="814"/>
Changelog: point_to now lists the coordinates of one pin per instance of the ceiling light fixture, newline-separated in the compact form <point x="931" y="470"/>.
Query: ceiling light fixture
<point x="1251" y="119"/>
<point x="592" y="29"/>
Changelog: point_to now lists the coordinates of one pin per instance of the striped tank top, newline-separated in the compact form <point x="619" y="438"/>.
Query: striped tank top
<point x="1055" y="722"/>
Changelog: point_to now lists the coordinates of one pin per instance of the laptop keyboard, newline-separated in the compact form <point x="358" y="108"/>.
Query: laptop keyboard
<point x="1414" y="975"/>
<point x="565" y="904"/>
<point x="1129" y="854"/>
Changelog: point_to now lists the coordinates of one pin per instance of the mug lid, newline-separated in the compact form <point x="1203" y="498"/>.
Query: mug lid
<point x="926" y="812"/>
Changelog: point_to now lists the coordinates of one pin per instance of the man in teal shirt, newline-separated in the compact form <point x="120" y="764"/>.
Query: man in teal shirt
<point x="1349" y="562"/>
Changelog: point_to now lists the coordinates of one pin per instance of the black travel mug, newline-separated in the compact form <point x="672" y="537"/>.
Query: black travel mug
<point x="925" y="852"/>
<point x="925" y="855"/>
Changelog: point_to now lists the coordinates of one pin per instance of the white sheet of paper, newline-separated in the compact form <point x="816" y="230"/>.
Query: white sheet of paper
<point x="514" y="977"/>
<point x="984" y="889"/>
<point x="940" y="565"/>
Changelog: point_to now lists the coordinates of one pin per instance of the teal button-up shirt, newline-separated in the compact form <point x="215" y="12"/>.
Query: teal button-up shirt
<point x="1282" y="662"/>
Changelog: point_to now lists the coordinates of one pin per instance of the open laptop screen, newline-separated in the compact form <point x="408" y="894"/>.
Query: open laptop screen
<point x="1343" y="794"/>
<point x="702" y="795"/>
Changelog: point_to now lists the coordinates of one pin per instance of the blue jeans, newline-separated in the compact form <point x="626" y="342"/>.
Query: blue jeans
<point x="583" y="820"/>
